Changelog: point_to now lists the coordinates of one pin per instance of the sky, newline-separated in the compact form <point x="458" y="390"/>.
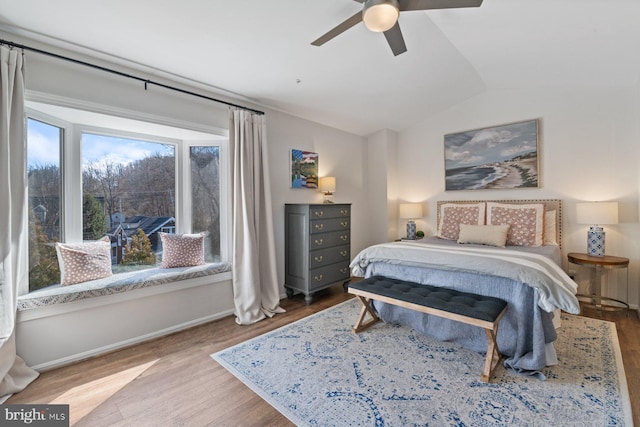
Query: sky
<point x="42" y="144"/>
<point x="99" y="149"/>
<point x="43" y="147"/>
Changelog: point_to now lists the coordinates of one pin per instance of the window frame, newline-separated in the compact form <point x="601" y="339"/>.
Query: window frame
<point x="65" y="127"/>
<point x="75" y="176"/>
<point x="71" y="165"/>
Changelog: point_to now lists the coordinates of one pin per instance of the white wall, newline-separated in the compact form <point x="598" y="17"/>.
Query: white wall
<point x="56" y="335"/>
<point x="381" y="186"/>
<point x="340" y="154"/>
<point x="49" y="337"/>
<point x="588" y="152"/>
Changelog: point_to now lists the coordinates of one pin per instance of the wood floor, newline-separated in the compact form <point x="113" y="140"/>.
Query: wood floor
<point x="172" y="381"/>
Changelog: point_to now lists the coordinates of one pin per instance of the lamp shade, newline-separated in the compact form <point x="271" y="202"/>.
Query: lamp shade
<point x="595" y="213"/>
<point x="380" y="15"/>
<point x="410" y="210"/>
<point x="327" y="184"/>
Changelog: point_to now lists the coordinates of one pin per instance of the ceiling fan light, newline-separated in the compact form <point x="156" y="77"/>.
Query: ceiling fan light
<point x="380" y="15"/>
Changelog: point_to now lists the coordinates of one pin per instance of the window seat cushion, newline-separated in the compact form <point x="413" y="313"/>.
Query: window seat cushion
<point x="123" y="282"/>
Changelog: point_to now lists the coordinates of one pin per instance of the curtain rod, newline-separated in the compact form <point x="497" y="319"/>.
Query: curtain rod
<point x="130" y="76"/>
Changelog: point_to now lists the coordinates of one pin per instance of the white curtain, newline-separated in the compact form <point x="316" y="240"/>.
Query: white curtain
<point x="255" y="281"/>
<point x="14" y="372"/>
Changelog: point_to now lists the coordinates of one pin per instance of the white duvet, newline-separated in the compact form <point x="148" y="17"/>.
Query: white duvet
<point x="554" y="288"/>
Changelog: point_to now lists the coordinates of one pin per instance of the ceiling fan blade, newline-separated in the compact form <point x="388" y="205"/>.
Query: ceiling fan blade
<point x="395" y="40"/>
<point x="339" y="29"/>
<point x="437" y="4"/>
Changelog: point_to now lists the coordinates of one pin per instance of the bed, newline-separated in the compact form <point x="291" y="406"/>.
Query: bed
<point x="526" y="273"/>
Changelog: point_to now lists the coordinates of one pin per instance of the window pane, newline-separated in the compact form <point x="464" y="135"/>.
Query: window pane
<point x="128" y="191"/>
<point x="205" y="197"/>
<point x="44" y="142"/>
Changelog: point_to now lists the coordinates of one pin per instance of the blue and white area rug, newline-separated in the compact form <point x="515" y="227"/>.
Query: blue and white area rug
<point x="318" y="373"/>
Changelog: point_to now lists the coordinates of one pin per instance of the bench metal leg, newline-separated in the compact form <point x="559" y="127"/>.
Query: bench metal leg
<point x="366" y="308"/>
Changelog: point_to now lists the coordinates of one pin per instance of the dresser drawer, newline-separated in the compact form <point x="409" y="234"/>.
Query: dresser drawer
<point x="328" y="211"/>
<point x="322" y="257"/>
<point x="326" y="225"/>
<point x="328" y="240"/>
<point x="317" y="247"/>
<point x="329" y="274"/>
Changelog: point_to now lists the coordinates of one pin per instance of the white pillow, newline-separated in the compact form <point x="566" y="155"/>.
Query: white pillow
<point x="550" y="228"/>
<point x="491" y="235"/>
<point x="81" y="262"/>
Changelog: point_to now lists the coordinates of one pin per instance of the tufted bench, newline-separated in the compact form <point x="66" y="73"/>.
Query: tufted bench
<point x="465" y="307"/>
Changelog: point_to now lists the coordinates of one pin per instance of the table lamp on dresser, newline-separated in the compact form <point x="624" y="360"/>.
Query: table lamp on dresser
<point x="327" y="186"/>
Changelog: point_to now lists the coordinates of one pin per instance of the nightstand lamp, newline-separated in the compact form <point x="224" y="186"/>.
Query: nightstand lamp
<point x="596" y="214"/>
<point x="410" y="211"/>
<point x="327" y="185"/>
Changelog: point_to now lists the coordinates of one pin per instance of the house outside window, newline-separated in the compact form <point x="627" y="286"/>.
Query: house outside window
<point x="86" y="182"/>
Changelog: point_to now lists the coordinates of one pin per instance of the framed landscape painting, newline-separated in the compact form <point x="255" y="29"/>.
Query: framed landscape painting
<point x="304" y="169"/>
<point x="503" y="156"/>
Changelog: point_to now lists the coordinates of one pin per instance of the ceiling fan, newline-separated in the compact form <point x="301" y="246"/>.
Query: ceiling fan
<point x="381" y="16"/>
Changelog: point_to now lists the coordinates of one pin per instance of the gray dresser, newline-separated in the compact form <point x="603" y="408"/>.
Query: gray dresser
<point x="317" y="247"/>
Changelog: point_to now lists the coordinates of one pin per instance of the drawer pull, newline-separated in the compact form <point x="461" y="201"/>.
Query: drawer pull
<point x="344" y="237"/>
<point x="318" y="258"/>
<point x="319" y="242"/>
<point x="319" y="226"/>
<point x="318" y="277"/>
<point x="318" y="213"/>
<point x="344" y="270"/>
<point x="344" y="224"/>
<point x="344" y="212"/>
<point x="343" y="253"/>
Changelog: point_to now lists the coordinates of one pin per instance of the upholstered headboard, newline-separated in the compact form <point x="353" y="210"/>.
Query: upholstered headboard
<point x="550" y="205"/>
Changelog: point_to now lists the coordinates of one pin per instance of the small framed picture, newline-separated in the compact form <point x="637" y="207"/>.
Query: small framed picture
<point x="304" y="169"/>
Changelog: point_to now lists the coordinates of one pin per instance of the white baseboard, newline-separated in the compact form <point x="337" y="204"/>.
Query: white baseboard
<point x="129" y="342"/>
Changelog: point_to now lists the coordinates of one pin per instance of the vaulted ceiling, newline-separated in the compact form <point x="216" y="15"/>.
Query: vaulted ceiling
<point x="260" y="50"/>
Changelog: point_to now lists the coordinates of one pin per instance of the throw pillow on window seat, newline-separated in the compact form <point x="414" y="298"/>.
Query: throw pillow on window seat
<point x="81" y="262"/>
<point x="182" y="250"/>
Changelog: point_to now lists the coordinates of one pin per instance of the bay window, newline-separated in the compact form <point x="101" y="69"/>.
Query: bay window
<point x="93" y="175"/>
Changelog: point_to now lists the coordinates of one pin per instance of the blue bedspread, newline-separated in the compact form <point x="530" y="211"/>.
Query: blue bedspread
<point x="526" y="332"/>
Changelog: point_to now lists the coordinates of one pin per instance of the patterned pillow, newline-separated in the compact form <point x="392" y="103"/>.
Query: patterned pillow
<point x="182" y="250"/>
<point x="526" y="222"/>
<point x="81" y="262"/>
<point x="454" y="214"/>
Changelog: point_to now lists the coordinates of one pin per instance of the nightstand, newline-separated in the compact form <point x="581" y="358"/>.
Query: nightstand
<point x="598" y="264"/>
